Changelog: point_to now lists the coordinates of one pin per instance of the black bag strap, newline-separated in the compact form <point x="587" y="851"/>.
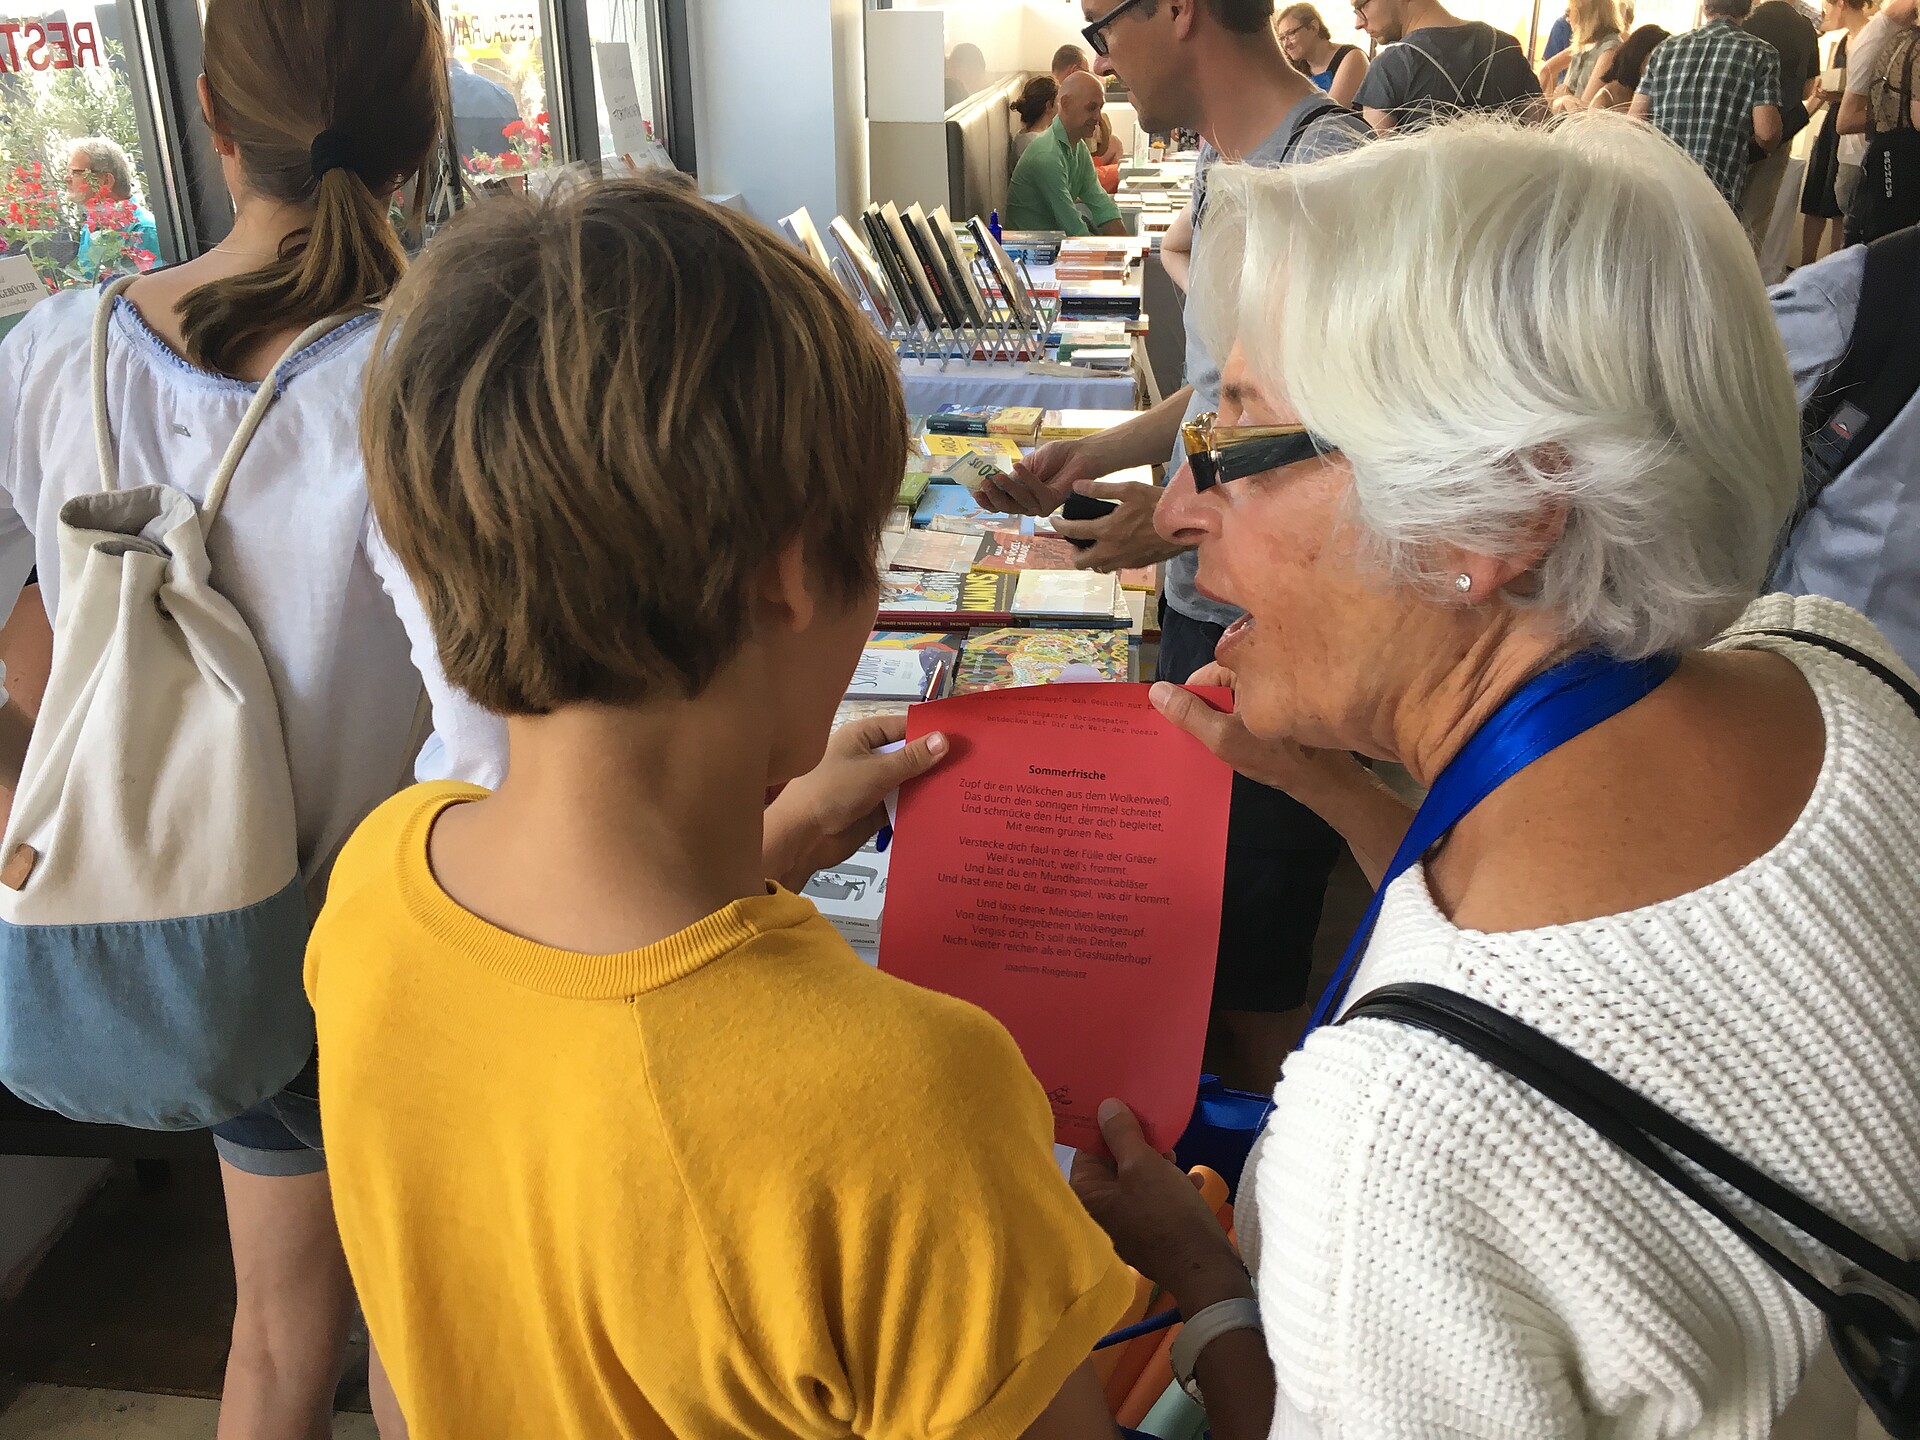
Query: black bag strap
<point x="1877" y="1345"/>
<point x="1881" y="370"/>
<point x="1306" y="122"/>
<point x="1876" y="1340"/>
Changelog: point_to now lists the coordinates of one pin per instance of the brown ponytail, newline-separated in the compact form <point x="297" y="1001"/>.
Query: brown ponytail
<point x="371" y="75"/>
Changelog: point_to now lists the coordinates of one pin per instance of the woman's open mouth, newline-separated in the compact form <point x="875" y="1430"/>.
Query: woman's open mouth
<point x="1235" y="633"/>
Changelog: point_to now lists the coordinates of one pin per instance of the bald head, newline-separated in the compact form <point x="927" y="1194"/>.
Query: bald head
<point x="1081" y="99"/>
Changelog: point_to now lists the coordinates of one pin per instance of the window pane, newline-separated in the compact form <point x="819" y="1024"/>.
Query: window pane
<point x="79" y="210"/>
<point x="623" y="34"/>
<point x="499" y="84"/>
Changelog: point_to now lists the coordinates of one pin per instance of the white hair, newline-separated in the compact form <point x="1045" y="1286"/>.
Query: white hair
<point x="1493" y="321"/>
<point x="106" y="157"/>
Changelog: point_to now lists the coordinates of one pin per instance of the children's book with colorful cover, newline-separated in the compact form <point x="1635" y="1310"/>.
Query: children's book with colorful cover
<point x="1010" y="550"/>
<point x="956" y="503"/>
<point x="918" y="592"/>
<point x="910" y="665"/>
<point x="1000" y="659"/>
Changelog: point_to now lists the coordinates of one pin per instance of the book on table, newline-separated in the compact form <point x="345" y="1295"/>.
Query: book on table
<point x="937" y="550"/>
<point x="940" y="445"/>
<point x="918" y="592"/>
<point x="954" y="507"/>
<point x="1033" y="655"/>
<point x="956" y="418"/>
<point x="1061" y="593"/>
<point x="910" y="665"/>
<point x="1011" y="550"/>
<point x="1078" y="424"/>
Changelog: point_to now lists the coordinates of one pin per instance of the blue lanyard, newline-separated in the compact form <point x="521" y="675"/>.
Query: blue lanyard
<point x="1542" y="715"/>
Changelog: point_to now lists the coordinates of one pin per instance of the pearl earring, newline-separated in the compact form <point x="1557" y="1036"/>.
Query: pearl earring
<point x="1463" y="582"/>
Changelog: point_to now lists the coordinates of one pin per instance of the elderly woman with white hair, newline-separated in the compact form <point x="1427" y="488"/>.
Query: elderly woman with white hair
<point x="1496" y="477"/>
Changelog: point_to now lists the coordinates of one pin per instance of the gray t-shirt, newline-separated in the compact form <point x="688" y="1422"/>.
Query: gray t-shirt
<point x="1445" y="69"/>
<point x="1334" y="132"/>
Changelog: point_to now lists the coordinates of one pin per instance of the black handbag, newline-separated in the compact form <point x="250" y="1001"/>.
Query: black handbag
<point x="1871" y="1319"/>
<point x="1888" y="195"/>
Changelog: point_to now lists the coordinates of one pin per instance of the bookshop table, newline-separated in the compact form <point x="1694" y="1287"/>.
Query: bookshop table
<point x="978" y="382"/>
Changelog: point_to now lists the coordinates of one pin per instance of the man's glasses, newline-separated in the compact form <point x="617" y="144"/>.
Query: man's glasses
<point x="1218" y="453"/>
<point x="1360" y="9"/>
<point x="1096" y="33"/>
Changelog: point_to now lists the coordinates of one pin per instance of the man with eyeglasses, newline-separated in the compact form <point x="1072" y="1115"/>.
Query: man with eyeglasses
<point x="1433" y="64"/>
<point x="1213" y="66"/>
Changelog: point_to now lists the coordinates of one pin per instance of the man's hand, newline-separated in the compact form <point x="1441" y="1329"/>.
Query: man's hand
<point x="1155" y="1216"/>
<point x="1126" y="537"/>
<point x="835" y="808"/>
<point x="1041" y="482"/>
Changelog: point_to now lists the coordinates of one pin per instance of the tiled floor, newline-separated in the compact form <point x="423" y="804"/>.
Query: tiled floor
<point x="53" y="1412"/>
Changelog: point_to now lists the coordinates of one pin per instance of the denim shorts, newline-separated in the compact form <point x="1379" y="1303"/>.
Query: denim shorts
<point x="280" y="1136"/>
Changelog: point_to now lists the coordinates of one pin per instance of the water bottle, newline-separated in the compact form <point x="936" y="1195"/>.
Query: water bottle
<point x="993" y="223"/>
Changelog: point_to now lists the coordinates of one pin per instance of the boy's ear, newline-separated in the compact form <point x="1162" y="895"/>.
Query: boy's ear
<point x="785" y="592"/>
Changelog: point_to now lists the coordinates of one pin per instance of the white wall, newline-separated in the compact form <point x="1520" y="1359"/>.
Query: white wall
<point x="37" y="1198"/>
<point x="779" y="107"/>
<point x="1012" y="34"/>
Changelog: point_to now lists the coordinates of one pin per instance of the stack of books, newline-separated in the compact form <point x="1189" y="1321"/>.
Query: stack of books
<point x="1015" y="423"/>
<point x="1036" y="247"/>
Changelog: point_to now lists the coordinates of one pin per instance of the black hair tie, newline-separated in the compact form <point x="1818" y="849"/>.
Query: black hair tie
<point x="330" y="151"/>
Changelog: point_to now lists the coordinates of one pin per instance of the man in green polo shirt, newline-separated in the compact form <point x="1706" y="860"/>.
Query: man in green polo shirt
<point x="1057" y="170"/>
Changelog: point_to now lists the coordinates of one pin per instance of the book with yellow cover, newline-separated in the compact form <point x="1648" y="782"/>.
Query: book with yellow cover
<point x="1078" y="424"/>
<point x="1016" y="422"/>
<point x="954" y="446"/>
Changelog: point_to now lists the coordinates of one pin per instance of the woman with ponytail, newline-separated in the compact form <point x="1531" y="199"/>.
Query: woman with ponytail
<point x="320" y="111"/>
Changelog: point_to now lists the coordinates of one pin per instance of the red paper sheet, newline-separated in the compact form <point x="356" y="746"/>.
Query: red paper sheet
<point x="1062" y="871"/>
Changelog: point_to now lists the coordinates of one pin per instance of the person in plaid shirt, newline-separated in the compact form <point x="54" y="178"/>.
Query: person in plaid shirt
<point x="1712" y="91"/>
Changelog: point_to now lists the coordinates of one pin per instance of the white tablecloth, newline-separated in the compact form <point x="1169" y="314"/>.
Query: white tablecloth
<point x="973" y="382"/>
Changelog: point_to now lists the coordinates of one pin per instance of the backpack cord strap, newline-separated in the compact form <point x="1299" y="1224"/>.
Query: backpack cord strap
<point x="257" y="411"/>
<point x="102" y="430"/>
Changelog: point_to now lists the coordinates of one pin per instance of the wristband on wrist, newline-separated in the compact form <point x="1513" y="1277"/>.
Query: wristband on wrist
<point x="1202" y="1330"/>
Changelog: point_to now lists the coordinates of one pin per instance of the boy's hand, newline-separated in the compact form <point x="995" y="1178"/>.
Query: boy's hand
<point x="830" y="812"/>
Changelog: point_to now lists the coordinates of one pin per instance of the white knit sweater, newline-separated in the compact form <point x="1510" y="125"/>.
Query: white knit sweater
<point x="1441" y="1252"/>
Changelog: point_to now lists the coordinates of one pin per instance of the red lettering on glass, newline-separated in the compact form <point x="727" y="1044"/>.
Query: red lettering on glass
<point x="36" y="34"/>
<point x="57" y="38"/>
<point x="86" y="43"/>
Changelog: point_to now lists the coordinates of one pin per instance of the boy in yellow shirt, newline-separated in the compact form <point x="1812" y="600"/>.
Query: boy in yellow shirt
<point x="624" y="1140"/>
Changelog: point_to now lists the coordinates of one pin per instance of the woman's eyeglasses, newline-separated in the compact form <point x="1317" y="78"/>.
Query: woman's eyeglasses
<point x="1218" y="453"/>
<point x="1096" y="33"/>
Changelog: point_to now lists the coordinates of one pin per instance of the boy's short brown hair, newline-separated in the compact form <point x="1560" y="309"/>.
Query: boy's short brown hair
<point x="594" y="419"/>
